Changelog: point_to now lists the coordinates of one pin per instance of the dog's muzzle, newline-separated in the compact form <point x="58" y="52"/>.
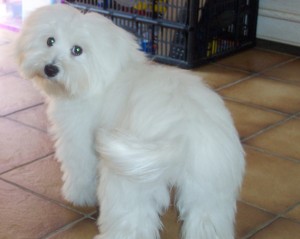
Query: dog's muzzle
<point x="51" y="70"/>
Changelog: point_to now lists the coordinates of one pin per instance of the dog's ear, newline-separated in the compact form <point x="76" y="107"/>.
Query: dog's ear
<point x="18" y="52"/>
<point x="115" y="47"/>
<point x="20" y="49"/>
<point x="22" y="43"/>
<point x="7" y="61"/>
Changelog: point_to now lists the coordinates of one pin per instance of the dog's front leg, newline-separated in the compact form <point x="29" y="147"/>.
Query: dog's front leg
<point x="79" y="166"/>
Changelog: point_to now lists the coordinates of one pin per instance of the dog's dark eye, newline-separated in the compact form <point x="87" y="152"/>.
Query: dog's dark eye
<point x="50" y="41"/>
<point x="76" y="50"/>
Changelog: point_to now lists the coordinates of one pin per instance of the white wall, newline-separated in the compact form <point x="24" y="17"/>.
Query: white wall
<point x="279" y="20"/>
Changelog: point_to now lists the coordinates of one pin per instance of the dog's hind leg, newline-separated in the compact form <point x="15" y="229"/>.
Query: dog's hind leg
<point x="129" y="209"/>
<point x="208" y="187"/>
<point x="133" y="189"/>
<point x="205" y="214"/>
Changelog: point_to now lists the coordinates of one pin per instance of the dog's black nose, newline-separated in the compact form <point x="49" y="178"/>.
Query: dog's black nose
<point x="51" y="70"/>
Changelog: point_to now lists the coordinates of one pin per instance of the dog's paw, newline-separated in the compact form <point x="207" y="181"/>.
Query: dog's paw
<point x="80" y="196"/>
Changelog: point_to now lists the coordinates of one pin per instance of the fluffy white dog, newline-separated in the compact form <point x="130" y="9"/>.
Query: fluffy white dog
<point x="127" y="131"/>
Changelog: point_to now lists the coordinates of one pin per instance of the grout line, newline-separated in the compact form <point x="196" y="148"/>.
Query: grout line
<point x="236" y="82"/>
<point x="257" y="207"/>
<point x="27" y="125"/>
<point x="23" y="109"/>
<point x="69" y="225"/>
<point x="259" y="73"/>
<point x="280" y="122"/>
<point x="63" y="228"/>
<point x="260" y="227"/>
<point x="27" y="163"/>
<point x="294" y="220"/>
<point x="256" y="106"/>
<point x="278" y="216"/>
<point x="256" y="74"/>
<point x="41" y="196"/>
<point x="231" y="68"/>
<point x="4" y="74"/>
<point x="290" y="209"/>
<point x="270" y="153"/>
<point x="297" y="115"/>
<point x="279" y="64"/>
<point x="90" y="216"/>
<point x="288" y="82"/>
<point x="235" y="68"/>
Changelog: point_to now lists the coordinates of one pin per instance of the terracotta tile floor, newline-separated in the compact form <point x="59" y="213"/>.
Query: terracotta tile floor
<point x="261" y="89"/>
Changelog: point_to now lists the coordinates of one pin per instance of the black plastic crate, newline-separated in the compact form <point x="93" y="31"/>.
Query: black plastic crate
<point x="185" y="33"/>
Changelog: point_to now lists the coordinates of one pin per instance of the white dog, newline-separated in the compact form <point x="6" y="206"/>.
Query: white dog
<point x="127" y="131"/>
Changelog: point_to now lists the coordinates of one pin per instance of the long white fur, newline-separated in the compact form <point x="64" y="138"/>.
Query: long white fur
<point x="127" y="130"/>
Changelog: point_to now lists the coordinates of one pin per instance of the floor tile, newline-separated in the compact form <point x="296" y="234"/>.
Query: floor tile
<point x="7" y="61"/>
<point x="86" y="229"/>
<point x="216" y="76"/>
<point x="254" y="60"/>
<point x="16" y="94"/>
<point x="288" y="72"/>
<point x="270" y="183"/>
<point x="26" y="216"/>
<point x="294" y="213"/>
<point x="283" y="139"/>
<point x="35" y="117"/>
<point x="171" y="224"/>
<point x="249" y="120"/>
<point x="280" y="229"/>
<point x="43" y="177"/>
<point x="20" y="144"/>
<point x="249" y="218"/>
<point x="267" y="93"/>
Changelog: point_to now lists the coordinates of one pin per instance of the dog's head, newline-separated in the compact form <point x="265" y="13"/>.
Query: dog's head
<point x="69" y="53"/>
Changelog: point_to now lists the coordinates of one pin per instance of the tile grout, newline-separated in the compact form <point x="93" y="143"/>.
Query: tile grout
<point x="4" y="74"/>
<point x="293" y="58"/>
<point x="279" y="64"/>
<point x="236" y="82"/>
<point x="277" y="216"/>
<point x="278" y="123"/>
<point x="253" y="74"/>
<point x="43" y="197"/>
<point x="290" y="209"/>
<point x="274" y="78"/>
<point x="260" y="227"/>
<point x="23" y="109"/>
<point x="271" y="153"/>
<point x="26" y="125"/>
<point x="260" y="107"/>
<point x="65" y="228"/>
<point x="231" y="68"/>
<point x="259" y="132"/>
<point x="27" y="163"/>
<point x="257" y="207"/>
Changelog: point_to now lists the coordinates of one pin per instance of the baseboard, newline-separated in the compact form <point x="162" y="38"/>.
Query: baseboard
<point x="276" y="46"/>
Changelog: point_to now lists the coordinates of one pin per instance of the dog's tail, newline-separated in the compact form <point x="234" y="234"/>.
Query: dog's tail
<point x="135" y="158"/>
